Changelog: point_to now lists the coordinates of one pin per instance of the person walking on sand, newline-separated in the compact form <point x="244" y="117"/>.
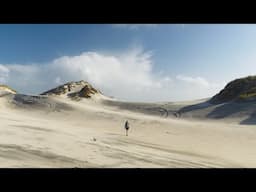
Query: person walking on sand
<point x="126" y="126"/>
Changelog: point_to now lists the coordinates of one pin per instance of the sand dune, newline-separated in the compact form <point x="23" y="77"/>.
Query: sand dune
<point x="52" y="131"/>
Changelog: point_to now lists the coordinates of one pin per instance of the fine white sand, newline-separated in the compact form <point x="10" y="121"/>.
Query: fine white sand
<point x="90" y="133"/>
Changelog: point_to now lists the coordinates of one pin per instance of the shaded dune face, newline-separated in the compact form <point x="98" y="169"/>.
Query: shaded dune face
<point x="38" y="102"/>
<point x="87" y="91"/>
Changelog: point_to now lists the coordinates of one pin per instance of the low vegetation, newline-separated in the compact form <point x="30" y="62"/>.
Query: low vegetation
<point x="242" y="89"/>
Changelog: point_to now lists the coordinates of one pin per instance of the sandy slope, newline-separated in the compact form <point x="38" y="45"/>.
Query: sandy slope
<point x="90" y="133"/>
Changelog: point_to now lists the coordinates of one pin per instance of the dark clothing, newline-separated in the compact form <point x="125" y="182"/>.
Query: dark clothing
<point x="126" y="126"/>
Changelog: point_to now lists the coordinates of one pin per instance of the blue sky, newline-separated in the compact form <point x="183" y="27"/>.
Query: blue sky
<point x="164" y="62"/>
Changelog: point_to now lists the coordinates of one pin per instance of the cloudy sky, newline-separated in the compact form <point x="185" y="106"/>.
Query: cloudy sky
<point x="153" y="62"/>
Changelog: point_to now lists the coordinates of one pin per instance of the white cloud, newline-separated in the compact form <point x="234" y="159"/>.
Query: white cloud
<point x="125" y="75"/>
<point x="129" y="76"/>
<point x="134" y="26"/>
<point x="139" y="26"/>
<point x="182" y="25"/>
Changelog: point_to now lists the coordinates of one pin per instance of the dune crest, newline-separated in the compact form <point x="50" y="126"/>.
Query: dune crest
<point x="5" y="90"/>
<point x="74" y="90"/>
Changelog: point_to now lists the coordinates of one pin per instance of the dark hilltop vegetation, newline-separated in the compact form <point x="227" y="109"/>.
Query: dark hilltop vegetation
<point x="243" y="89"/>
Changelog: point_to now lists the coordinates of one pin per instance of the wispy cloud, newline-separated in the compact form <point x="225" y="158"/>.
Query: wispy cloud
<point x="183" y="26"/>
<point x="201" y="81"/>
<point x="198" y="87"/>
<point x="134" y="26"/>
<point x="193" y="80"/>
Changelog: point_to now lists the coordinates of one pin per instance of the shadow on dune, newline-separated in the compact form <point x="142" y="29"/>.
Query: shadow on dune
<point x="197" y="106"/>
<point x="146" y="108"/>
<point x="224" y="110"/>
<point x="38" y="102"/>
<point x="200" y="110"/>
<point x="250" y="120"/>
<point x="227" y="110"/>
<point x="238" y="110"/>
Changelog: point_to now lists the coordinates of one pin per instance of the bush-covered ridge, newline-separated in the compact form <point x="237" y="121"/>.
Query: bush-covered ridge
<point x="242" y="89"/>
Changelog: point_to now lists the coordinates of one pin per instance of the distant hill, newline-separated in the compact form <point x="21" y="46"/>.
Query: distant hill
<point x="243" y="89"/>
<point x="74" y="90"/>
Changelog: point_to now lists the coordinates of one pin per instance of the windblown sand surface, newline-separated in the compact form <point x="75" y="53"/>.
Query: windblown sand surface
<point x="59" y="132"/>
